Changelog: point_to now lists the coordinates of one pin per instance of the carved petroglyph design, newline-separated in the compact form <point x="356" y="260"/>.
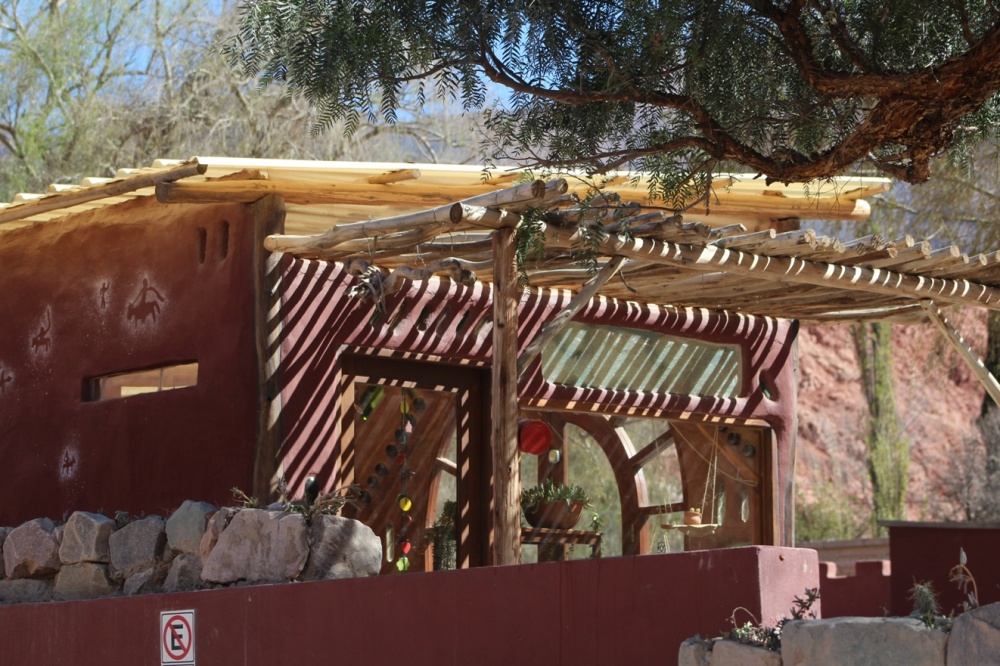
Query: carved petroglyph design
<point x="69" y="462"/>
<point x="43" y="341"/>
<point x="104" y="293"/>
<point x="5" y="378"/>
<point x="145" y="304"/>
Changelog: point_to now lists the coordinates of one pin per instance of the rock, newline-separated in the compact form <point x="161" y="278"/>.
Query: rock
<point x="24" y="590"/>
<point x="31" y="550"/>
<point x="259" y="547"/>
<point x="216" y="524"/>
<point x="184" y="574"/>
<point x="187" y="525"/>
<point x="861" y="641"/>
<point x="734" y="653"/>
<point x="342" y="548"/>
<point x="694" y="652"/>
<point x="85" y="580"/>
<point x="137" y="546"/>
<point x="975" y="637"/>
<point x="85" y="538"/>
<point x="140" y="582"/>
<point x="4" y="531"/>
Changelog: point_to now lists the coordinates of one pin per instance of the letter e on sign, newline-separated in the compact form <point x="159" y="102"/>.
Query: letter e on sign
<point x="177" y="637"/>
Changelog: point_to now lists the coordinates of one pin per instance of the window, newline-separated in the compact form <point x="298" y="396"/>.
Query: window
<point x="151" y="380"/>
<point x="624" y="359"/>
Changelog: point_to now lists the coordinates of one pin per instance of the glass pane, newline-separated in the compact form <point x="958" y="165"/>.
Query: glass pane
<point x="609" y="357"/>
<point x="590" y="469"/>
<point x="154" y="380"/>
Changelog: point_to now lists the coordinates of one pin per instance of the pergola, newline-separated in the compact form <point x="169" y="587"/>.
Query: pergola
<point x="738" y="248"/>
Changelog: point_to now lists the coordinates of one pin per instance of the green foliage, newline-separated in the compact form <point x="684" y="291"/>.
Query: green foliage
<point x="551" y="492"/>
<point x="529" y="243"/>
<point x="445" y="539"/>
<point x="887" y="447"/>
<point x="89" y="86"/>
<point x="793" y="90"/>
<point x="833" y="515"/>
<point x="925" y="602"/>
<point x="769" y="637"/>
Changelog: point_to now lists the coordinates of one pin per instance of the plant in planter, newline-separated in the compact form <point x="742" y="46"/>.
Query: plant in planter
<point x="692" y="516"/>
<point x="554" y="506"/>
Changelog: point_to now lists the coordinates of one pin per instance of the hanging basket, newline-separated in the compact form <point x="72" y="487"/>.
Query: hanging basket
<point x="560" y="515"/>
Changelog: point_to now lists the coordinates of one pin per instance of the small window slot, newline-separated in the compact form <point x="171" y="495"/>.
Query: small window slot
<point x="150" y="380"/>
<point x="202" y="244"/>
<point x="224" y="244"/>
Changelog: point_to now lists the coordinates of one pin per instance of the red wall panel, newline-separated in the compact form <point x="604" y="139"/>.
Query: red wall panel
<point x="125" y="288"/>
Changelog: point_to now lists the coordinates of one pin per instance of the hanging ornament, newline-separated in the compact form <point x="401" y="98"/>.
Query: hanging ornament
<point x="533" y="437"/>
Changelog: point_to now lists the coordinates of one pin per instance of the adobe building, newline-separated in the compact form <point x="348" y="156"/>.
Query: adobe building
<point x="197" y="326"/>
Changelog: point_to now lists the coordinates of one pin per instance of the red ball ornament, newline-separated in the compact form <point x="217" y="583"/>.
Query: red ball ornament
<point x="534" y="437"/>
<point x="405" y="547"/>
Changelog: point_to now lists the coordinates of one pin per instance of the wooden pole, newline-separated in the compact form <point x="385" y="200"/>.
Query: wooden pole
<point x="268" y="218"/>
<point x="988" y="381"/>
<point x="506" y="544"/>
<point x="113" y="188"/>
<point x="558" y="322"/>
<point x="789" y="270"/>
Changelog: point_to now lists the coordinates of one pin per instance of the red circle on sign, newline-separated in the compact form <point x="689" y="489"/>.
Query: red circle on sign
<point x="168" y="630"/>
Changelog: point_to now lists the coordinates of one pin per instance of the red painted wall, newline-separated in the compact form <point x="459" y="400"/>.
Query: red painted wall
<point x="922" y="552"/>
<point x="864" y="594"/>
<point x="438" y="319"/>
<point x="64" y="316"/>
<point x="626" y="610"/>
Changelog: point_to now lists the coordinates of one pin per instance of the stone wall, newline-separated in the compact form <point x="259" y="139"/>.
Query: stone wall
<point x="974" y="640"/>
<point x="196" y="547"/>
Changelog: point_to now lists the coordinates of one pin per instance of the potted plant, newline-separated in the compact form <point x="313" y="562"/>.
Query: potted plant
<point x="692" y="516"/>
<point x="554" y="506"/>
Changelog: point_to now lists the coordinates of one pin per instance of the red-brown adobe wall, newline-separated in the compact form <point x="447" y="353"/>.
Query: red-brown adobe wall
<point x="64" y="316"/>
<point x="864" y="594"/>
<point x="623" y="610"/>
<point x="926" y="552"/>
<point x="436" y="318"/>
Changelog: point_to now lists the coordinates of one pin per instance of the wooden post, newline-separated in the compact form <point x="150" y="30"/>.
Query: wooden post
<point x="506" y="544"/>
<point x="988" y="381"/>
<point x="268" y="218"/>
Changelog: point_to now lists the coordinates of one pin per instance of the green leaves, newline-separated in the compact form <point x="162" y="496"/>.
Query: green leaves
<point x="675" y="88"/>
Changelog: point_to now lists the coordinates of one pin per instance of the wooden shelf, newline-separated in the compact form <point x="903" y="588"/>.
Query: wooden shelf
<point x="694" y="530"/>
<point x="540" y="535"/>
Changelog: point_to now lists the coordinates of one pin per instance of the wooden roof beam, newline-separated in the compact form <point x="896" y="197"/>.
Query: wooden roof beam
<point x="789" y="269"/>
<point x="114" y="188"/>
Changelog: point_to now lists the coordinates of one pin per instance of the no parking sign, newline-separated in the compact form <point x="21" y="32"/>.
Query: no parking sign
<point x="177" y="637"/>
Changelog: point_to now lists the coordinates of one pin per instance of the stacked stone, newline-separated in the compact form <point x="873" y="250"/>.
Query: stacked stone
<point x="196" y="547"/>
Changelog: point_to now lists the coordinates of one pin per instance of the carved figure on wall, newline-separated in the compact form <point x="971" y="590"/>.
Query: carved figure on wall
<point x="5" y="378"/>
<point x="43" y="340"/>
<point x="140" y="307"/>
<point x="104" y="290"/>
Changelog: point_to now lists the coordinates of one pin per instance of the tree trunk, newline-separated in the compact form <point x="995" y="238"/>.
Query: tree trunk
<point x="888" y="450"/>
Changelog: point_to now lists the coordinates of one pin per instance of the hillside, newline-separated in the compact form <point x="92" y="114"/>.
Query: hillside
<point x="936" y="394"/>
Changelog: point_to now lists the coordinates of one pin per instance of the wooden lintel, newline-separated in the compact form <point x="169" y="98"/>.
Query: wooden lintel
<point x="505" y="547"/>
<point x="268" y="218"/>
<point x="984" y="376"/>
<point x="559" y="322"/>
<point x="790" y="270"/>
